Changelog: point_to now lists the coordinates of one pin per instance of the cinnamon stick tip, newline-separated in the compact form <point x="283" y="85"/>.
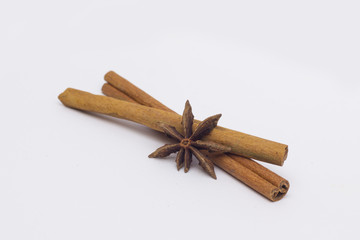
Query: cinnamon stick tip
<point x="286" y="150"/>
<point x="284" y="186"/>
<point x="280" y="192"/>
<point x="108" y="74"/>
<point x="277" y="195"/>
<point x="104" y="88"/>
<point x="64" y="94"/>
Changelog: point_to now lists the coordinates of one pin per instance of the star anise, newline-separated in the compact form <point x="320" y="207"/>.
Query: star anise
<point x="190" y="143"/>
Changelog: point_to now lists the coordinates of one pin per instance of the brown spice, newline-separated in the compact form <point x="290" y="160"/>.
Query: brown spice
<point x="256" y="176"/>
<point x="253" y="176"/>
<point x="240" y="143"/>
<point x="108" y="89"/>
<point x="134" y="92"/>
<point x="190" y="142"/>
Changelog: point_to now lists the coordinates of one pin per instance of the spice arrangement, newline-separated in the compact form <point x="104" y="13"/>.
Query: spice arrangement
<point x="230" y="150"/>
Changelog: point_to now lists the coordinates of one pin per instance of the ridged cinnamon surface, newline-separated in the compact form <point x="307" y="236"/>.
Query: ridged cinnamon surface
<point x="240" y="143"/>
<point x="244" y="169"/>
<point x="243" y="144"/>
<point x="253" y="174"/>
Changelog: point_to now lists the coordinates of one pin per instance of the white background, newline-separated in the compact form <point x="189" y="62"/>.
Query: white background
<point x="282" y="70"/>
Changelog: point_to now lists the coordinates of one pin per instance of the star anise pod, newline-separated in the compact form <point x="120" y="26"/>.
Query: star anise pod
<point x="190" y="142"/>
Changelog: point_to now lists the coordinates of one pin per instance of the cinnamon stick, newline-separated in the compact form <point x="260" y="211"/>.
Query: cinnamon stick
<point x="254" y="175"/>
<point x="243" y="144"/>
<point x="262" y="171"/>
<point x="151" y="117"/>
<point x="259" y="178"/>
<point x="108" y="89"/>
<point x="133" y="92"/>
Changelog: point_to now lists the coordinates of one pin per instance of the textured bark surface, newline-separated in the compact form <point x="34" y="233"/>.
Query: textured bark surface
<point x="107" y="90"/>
<point x="240" y="143"/>
<point x="249" y="146"/>
<point x="252" y="174"/>
<point x="133" y="92"/>
<point x="256" y="176"/>
<point x="262" y="171"/>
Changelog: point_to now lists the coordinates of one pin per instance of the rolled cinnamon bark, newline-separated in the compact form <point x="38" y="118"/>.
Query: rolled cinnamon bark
<point x="262" y="171"/>
<point x="240" y="143"/>
<point x="134" y="92"/>
<point x="244" y="144"/>
<point x="107" y="89"/>
<point x="257" y="177"/>
<point x="273" y="190"/>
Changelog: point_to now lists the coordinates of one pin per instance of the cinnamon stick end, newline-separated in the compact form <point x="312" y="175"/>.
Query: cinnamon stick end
<point x="104" y="88"/>
<point x="284" y="186"/>
<point x="285" y="155"/>
<point x="64" y="95"/>
<point x="280" y="192"/>
<point x="280" y="162"/>
<point x="109" y="74"/>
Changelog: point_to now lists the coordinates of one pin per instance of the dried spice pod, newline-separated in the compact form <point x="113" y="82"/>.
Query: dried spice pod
<point x="188" y="142"/>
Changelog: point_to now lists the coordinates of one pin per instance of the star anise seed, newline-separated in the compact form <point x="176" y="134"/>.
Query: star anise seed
<point x="190" y="143"/>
